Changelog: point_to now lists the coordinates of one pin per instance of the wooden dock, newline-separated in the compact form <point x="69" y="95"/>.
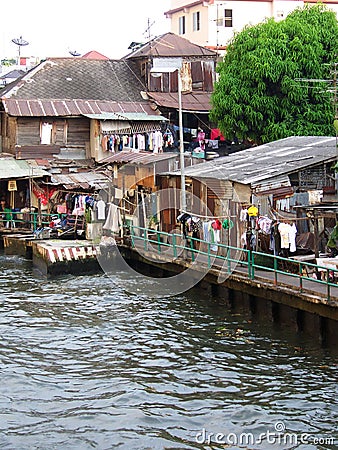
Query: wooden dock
<point x="54" y="256"/>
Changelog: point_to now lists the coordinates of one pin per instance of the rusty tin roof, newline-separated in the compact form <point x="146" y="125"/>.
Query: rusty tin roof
<point x="171" y="45"/>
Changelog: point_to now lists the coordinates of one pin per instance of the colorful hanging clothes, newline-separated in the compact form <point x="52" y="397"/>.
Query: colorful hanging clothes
<point x="253" y="211"/>
<point x="227" y="224"/>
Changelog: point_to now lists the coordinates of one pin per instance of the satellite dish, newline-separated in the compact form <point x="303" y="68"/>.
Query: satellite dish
<point x="20" y="43"/>
<point x="74" y="53"/>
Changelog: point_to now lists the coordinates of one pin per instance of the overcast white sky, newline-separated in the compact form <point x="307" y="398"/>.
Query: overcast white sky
<point x="55" y="28"/>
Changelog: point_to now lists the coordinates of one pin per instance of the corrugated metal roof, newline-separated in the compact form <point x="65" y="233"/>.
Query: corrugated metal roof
<point x="138" y="157"/>
<point x="268" y="161"/>
<point x="11" y="168"/>
<point x="84" y="180"/>
<point x="66" y="107"/>
<point x="268" y="185"/>
<point x="12" y="74"/>
<point x="170" y="44"/>
<point x="196" y="101"/>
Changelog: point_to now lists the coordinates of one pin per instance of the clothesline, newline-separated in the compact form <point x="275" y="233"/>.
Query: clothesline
<point x="294" y="219"/>
<point x="91" y="194"/>
<point x="118" y="207"/>
<point x="208" y="217"/>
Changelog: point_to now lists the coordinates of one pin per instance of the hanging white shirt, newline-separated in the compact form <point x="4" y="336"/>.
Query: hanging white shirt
<point x="292" y="237"/>
<point x="101" y="210"/>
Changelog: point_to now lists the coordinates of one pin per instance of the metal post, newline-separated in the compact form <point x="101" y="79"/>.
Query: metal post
<point x="174" y="246"/>
<point x="180" y="120"/>
<point x="170" y="65"/>
<point x="30" y="199"/>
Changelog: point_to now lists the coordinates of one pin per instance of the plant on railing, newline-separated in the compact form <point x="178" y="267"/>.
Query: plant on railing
<point x="153" y="223"/>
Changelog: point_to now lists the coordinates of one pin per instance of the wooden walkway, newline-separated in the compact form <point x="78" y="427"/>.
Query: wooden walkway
<point x="303" y="292"/>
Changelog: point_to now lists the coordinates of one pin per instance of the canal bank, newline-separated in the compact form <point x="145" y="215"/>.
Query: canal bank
<point x="282" y="304"/>
<point x="305" y="308"/>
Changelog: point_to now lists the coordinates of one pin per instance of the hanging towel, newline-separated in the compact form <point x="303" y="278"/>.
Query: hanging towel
<point x="113" y="219"/>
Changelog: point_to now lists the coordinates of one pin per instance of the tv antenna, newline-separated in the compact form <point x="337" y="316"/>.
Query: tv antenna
<point x="74" y="53"/>
<point x="147" y="30"/>
<point x="20" y="43"/>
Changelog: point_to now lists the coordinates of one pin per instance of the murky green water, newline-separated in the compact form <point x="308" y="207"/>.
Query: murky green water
<point x="84" y="365"/>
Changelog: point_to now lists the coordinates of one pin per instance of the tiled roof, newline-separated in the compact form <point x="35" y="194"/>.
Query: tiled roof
<point x="68" y="86"/>
<point x="171" y="45"/>
<point x="86" y="79"/>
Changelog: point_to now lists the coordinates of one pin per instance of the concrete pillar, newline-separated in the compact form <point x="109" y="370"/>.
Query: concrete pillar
<point x="329" y="333"/>
<point x="286" y="316"/>
<point x="261" y="309"/>
<point x="308" y="323"/>
<point x="222" y="295"/>
<point x="241" y="303"/>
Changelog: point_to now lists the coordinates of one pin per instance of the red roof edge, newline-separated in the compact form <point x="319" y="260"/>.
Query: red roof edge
<point x="93" y="54"/>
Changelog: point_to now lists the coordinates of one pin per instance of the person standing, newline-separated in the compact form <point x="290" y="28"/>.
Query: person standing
<point x="2" y="212"/>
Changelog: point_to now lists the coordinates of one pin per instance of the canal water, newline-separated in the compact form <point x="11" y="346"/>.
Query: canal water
<point x="85" y="365"/>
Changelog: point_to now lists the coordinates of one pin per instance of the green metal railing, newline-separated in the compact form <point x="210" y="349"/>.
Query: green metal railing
<point x="30" y="221"/>
<point x="229" y="259"/>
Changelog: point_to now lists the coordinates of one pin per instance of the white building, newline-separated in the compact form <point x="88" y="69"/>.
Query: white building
<point x="212" y="23"/>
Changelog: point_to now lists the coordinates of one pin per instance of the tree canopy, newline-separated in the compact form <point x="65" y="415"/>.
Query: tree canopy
<point x="264" y="92"/>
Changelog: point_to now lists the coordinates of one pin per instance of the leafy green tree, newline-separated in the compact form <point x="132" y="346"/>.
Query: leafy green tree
<point x="258" y="95"/>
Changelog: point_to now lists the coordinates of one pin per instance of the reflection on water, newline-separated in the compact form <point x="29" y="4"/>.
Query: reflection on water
<point x="84" y="365"/>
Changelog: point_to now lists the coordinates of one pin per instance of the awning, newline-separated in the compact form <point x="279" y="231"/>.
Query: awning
<point x="11" y="168"/>
<point x="132" y="122"/>
<point x="194" y="102"/>
<point x="127" y="116"/>
<point x="112" y="126"/>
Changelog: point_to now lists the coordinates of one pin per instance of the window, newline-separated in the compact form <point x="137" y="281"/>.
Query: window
<point x="228" y="17"/>
<point x="46" y="133"/>
<point x="181" y="25"/>
<point x="196" y="21"/>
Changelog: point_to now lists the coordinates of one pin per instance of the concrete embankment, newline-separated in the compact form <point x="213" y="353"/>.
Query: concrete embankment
<point x="305" y="310"/>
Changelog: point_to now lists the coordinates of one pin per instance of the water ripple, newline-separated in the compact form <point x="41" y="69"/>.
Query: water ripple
<point x="85" y="365"/>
